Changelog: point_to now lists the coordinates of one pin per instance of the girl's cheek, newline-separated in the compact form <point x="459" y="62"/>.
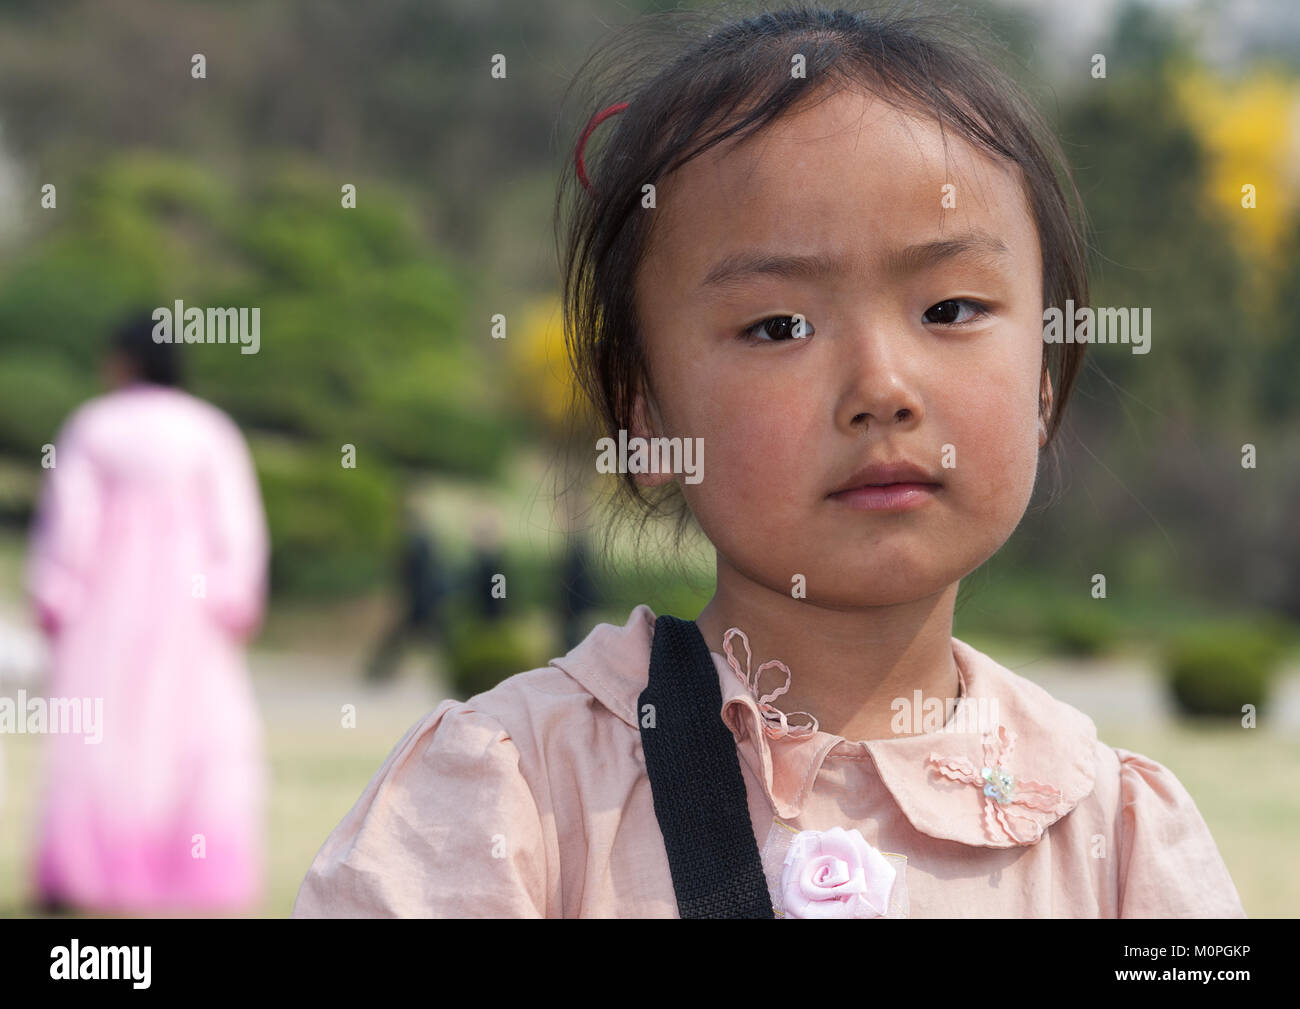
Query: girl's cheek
<point x="759" y="452"/>
<point x="997" y="455"/>
<point x="754" y="469"/>
<point x="744" y="411"/>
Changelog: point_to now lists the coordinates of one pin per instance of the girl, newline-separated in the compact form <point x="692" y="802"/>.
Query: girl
<point x="821" y="244"/>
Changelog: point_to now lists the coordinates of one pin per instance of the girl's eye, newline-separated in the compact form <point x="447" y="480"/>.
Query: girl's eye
<point x="947" y="313"/>
<point x="788" y="328"/>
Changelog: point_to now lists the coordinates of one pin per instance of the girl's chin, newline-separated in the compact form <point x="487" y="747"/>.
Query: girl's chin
<point x="840" y="592"/>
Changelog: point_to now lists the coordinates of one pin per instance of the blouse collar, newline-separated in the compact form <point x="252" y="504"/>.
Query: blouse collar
<point x="1040" y="754"/>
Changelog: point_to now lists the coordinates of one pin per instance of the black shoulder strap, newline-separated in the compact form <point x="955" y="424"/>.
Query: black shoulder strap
<point x="699" y="794"/>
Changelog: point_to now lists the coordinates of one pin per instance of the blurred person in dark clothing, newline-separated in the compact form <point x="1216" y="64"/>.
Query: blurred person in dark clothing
<point x="577" y="590"/>
<point x="487" y="600"/>
<point x="424" y="590"/>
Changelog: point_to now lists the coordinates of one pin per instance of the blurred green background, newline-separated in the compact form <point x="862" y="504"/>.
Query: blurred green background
<point x="377" y="332"/>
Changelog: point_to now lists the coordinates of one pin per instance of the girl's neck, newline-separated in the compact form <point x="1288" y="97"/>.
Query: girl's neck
<point x="847" y="666"/>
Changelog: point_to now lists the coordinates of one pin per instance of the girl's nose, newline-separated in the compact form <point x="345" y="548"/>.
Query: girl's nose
<point x="879" y="387"/>
<point x="901" y="415"/>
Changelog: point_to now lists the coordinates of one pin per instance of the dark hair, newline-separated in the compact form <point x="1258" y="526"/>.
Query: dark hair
<point x="158" y="363"/>
<point x="733" y="78"/>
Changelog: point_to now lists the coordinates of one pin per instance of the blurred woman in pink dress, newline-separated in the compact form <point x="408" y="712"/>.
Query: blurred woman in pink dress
<point x="148" y="569"/>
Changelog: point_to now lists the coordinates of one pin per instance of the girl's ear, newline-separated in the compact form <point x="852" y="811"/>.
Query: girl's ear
<point x="1044" y="408"/>
<point x="646" y="425"/>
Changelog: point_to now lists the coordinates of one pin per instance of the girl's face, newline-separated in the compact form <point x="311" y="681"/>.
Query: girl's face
<point x="919" y="280"/>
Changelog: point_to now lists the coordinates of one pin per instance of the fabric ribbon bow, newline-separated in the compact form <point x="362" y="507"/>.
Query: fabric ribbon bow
<point x="775" y="724"/>
<point x="1001" y="789"/>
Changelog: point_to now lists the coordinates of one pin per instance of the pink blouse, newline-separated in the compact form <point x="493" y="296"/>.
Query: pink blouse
<point x="532" y="800"/>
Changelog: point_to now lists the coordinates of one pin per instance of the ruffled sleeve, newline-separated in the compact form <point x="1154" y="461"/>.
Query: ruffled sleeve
<point x="447" y="828"/>
<point x="1169" y="865"/>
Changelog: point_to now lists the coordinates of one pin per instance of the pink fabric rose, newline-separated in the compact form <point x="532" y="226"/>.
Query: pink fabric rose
<point x="835" y="874"/>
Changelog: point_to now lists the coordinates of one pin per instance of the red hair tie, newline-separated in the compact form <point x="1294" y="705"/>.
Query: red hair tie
<point x="596" y="120"/>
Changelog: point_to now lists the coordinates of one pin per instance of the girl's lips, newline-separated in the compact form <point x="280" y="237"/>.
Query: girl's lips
<point x="889" y="497"/>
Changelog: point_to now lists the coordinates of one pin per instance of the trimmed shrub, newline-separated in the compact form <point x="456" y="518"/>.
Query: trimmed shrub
<point x="1081" y="630"/>
<point x="1215" y="670"/>
<point x="334" y="531"/>
<point x="481" y="653"/>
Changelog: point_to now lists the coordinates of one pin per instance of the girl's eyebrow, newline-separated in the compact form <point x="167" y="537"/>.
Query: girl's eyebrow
<point x="737" y="267"/>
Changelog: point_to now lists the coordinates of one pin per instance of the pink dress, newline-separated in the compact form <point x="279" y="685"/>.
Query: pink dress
<point x="148" y="570"/>
<point x="531" y="800"/>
